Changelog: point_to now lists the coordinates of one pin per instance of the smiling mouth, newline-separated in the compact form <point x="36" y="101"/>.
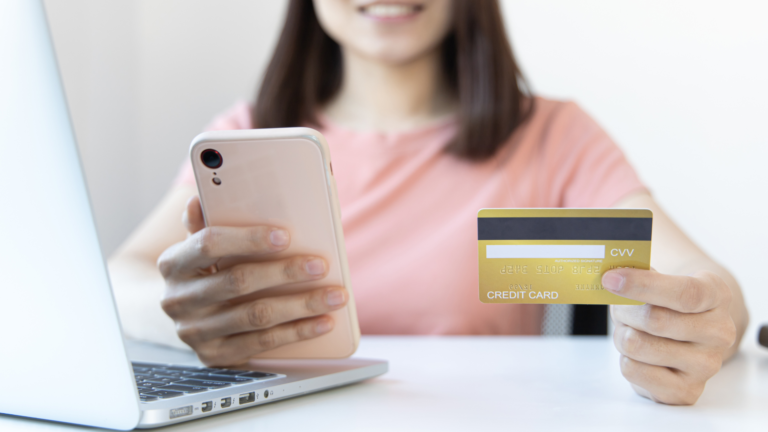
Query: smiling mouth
<point x="390" y="10"/>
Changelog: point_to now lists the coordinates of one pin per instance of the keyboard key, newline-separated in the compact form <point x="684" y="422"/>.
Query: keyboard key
<point x="257" y="375"/>
<point x="160" y="377"/>
<point x="227" y="372"/>
<point x="146" y="385"/>
<point x="147" y="365"/>
<point x="219" y="378"/>
<point x="167" y="375"/>
<point x="201" y="383"/>
<point x="163" y="394"/>
<point x="208" y="370"/>
<point x="141" y="369"/>
<point x="142" y="374"/>
<point x="144" y="398"/>
<point x="183" y="388"/>
<point x="183" y="368"/>
<point x="158" y="381"/>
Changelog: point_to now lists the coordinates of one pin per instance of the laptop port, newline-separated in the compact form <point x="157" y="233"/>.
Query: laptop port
<point x="247" y="398"/>
<point x="266" y="394"/>
<point x="207" y="406"/>
<point x="180" y="412"/>
<point x="226" y="402"/>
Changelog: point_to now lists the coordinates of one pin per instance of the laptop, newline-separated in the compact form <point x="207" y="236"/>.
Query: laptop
<point x="62" y="354"/>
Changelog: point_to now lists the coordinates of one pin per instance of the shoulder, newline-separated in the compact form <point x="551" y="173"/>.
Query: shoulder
<point x="573" y="159"/>
<point x="558" y="118"/>
<point x="558" y="129"/>
<point x="239" y="116"/>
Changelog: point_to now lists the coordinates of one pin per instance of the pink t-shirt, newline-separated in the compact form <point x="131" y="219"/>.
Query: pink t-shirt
<point x="409" y="211"/>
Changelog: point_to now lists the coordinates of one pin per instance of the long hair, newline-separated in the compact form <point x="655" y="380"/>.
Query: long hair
<point x="306" y="71"/>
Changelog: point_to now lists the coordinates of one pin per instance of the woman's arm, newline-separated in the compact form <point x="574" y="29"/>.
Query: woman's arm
<point x="136" y="281"/>
<point x="693" y="320"/>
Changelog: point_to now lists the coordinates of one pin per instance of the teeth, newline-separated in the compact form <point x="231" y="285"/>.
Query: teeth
<point x="389" y="10"/>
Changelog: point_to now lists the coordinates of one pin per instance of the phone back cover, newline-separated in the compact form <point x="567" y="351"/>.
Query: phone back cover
<point x="279" y="177"/>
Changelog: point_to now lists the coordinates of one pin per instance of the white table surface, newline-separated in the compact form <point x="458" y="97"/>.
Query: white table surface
<point x="489" y="383"/>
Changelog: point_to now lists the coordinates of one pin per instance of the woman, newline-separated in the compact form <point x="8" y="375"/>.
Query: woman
<point x="423" y="106"/>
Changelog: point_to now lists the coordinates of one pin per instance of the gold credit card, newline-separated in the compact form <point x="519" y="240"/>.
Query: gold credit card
<point x="559" y="255"/>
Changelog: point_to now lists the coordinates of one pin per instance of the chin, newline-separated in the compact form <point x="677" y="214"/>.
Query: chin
<point x="392" y="53"/>
<point x="390" y="31"/>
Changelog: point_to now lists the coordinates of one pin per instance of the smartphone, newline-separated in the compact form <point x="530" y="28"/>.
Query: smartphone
<point x="280" y="177"/>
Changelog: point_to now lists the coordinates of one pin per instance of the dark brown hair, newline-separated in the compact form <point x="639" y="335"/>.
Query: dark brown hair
<point x="306" y="72"/>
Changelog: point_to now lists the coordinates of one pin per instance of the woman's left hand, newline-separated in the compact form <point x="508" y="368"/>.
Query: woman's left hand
<point x="675" y="342"/>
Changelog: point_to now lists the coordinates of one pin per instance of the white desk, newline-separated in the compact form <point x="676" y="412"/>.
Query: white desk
<point x="490" y="383"/>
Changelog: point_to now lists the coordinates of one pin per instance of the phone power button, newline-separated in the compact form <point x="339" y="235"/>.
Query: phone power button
<point x="330" y="164"/>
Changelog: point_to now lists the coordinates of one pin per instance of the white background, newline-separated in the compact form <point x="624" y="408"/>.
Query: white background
<point x="680" y="84"/>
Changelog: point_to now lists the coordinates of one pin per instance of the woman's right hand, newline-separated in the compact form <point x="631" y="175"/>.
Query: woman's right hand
<point x="211" y="309"/>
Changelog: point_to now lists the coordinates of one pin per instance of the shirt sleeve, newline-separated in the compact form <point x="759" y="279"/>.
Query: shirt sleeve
<point x="589" y="169"/>
<point x="237" y="117"/>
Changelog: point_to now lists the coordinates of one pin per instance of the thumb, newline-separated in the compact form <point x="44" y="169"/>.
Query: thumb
<point x="193" y="215"/>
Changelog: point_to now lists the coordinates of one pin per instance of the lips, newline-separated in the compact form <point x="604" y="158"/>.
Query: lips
<point x="388" y="11"/>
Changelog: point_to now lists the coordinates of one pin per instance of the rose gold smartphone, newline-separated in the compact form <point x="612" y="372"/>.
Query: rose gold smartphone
<point x="280" y="177"/>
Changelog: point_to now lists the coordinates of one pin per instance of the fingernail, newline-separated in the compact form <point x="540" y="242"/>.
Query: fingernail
<point x="323" y="326"/>
<point x="613" y="281"/>
<point x="334" y="298"/>
<point x="278" y="237"/>
<point x="315" y="267"/>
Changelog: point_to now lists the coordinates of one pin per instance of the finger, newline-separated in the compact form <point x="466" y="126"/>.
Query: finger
<point x="207" y="246"/>
<point x="239" y="348"/>
<point x="265" y="313"/>
<point x="690" y="294"/>
<point x="689" y="359"/>
<point x="706" y="328"/>
<point x="193" y="215"/>
<point x="241" y="280"/>
<point x="661" y="384"/>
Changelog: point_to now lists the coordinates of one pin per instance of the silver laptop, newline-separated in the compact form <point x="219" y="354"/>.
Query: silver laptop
<point x="62" y="355"/>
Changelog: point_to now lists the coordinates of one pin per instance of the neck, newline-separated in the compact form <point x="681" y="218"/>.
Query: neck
<point x="385" y="97"/>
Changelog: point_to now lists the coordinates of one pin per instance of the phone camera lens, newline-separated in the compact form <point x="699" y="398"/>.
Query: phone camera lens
<point x="211" y="158"/>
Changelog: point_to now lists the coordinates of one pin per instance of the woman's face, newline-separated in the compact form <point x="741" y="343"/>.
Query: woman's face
<point x="391" y="31"/>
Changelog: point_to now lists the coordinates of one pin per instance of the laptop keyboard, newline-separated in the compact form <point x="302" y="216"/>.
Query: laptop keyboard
<point x="159" y="381"/>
